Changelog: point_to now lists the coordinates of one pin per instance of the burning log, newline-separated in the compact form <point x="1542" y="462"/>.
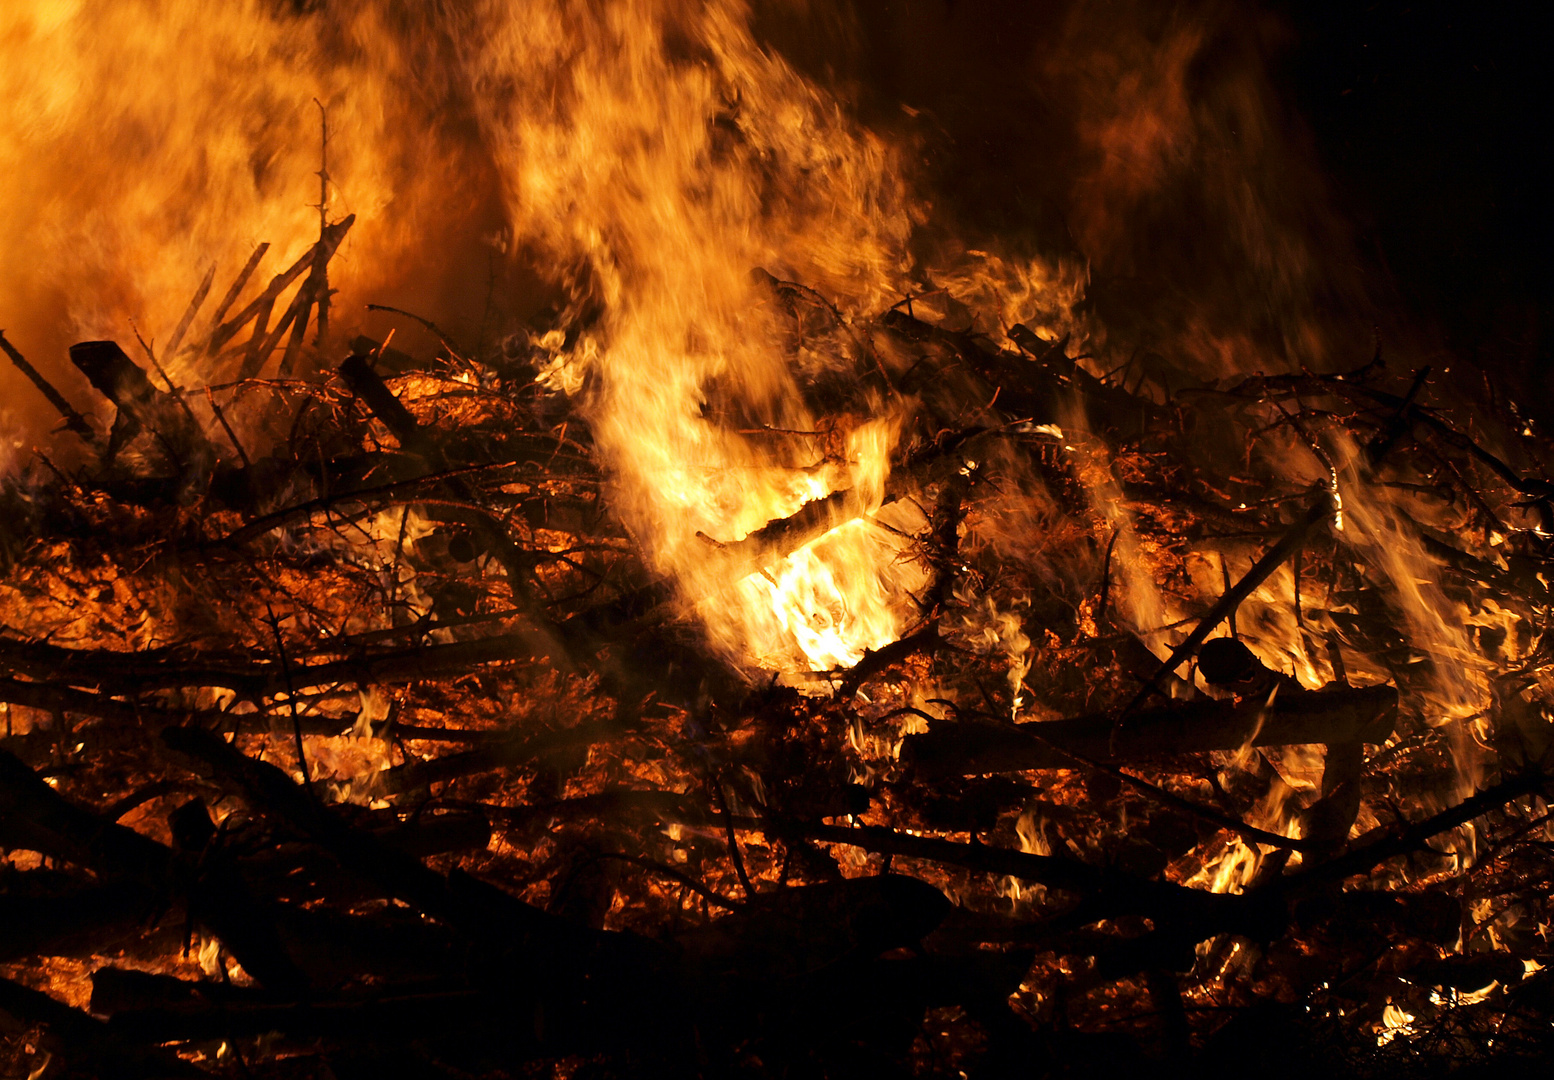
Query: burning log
<point x="1332" y="716"/>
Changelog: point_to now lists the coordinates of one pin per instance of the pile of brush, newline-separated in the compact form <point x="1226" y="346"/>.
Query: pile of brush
<point x="349" y="731"/>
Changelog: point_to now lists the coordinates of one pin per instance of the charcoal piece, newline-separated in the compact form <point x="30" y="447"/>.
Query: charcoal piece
<point x="1225" y="662"/>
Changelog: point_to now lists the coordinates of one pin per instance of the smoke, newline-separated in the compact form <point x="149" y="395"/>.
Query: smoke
<point x="1153" y="144"/>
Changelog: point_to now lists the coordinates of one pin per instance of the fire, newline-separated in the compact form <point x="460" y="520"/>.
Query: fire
<point x="718" y="378"/>
<point x="645" y="182"/>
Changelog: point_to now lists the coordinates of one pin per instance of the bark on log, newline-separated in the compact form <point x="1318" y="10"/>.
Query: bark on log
<point x="51" y="923"/>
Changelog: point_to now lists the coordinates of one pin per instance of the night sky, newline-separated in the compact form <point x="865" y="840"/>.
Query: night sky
<point x="1432" y="120"/>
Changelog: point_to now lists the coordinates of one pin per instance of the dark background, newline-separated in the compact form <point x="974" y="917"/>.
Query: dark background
<point x="1376" y="171"/>
<point x="1432" y="121"/>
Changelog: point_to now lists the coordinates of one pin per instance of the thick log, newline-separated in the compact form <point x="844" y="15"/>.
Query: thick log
<point x="575" y="982"/>
<point x="87" y="1043"/>
<point x="481" y="911"/>
<point x="157" y="669"/>
<point x="398" y="1019"/>
<point x="36" y="817"/>
<point x="76" y="922"/>
<point x="140" y="404"/>
<point x="432" y="834"/>
<point x="1342" y="715"/>
<point x="1105" y="892"/>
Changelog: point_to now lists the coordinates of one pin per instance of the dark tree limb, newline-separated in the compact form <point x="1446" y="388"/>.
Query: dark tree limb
<point x="35" y="816"/>
<point x="89" y="1043"/>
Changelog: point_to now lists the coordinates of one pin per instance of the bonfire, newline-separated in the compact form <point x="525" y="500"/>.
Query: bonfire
<point x="775" y="655"/>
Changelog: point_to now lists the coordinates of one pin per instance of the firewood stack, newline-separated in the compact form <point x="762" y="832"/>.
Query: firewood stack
<point x="349" y="733"/>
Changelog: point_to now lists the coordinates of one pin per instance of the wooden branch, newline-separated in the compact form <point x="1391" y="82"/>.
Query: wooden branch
<point x="237" y="287"/>
<point x="1402" y="841"/>
<point x="511" y="749"/>
<point x="170" y="350"/>
<point x="314" y="291"/>
<point x="1106" y="893"/>
<point x="73" y="420"/>
<point x="154" y="669"/>
<point x="331" y="240"/>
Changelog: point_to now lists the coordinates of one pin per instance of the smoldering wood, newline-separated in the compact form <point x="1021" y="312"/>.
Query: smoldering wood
<point x="1104" y="893"/>
<point x="625" y="767"/>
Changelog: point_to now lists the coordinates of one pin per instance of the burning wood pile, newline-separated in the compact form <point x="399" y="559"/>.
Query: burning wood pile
<point x="1063" y="718"/>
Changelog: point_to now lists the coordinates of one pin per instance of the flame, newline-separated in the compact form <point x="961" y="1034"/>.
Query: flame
<point x="630" y="164"/>
<point x="637" y="183"/>
<point x="643" y="158"/>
